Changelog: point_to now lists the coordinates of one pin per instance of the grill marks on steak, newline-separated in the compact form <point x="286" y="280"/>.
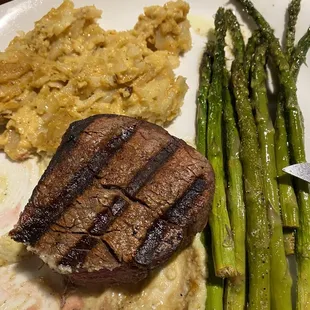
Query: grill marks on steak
<point x="141" y="195"/>
<point x="167" y="232"/>
<point x="128" y="231"/>
<point x="148" y="170"/>
<point x="104" y="219"/>
<point x="74" y="173"/>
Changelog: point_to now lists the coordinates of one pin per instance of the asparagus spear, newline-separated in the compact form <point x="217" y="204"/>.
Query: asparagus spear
<point x="289" y="241"/>
<point x="303" y="246"/>
<point x="293" y="11"/>
<point x="202" y="95"/>
<point x="281" y="281"/>
<point x="257" y="235"/>
<point x="235" y="32"/>
<point x="235" y="287"/>
<point x="215" y="285"/>
<point x="299" y="53"/>
<point x="296" y="140"/>
<point x="249" y="52"/>
<point x="288" y="201"/>
<point x="222" y="241"/>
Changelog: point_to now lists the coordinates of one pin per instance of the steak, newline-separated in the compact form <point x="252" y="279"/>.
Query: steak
<point x="119" y="198"/>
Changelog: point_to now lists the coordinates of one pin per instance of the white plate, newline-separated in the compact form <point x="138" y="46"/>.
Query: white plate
<point x="17" y="180"/>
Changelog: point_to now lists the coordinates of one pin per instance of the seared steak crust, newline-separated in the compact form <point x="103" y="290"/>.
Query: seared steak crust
<point x="119" y="197"/>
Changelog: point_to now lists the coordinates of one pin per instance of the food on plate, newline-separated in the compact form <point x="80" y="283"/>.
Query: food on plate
<point x="145" y="228"/>
<point x="294" y="123"/>
<point x="235" y="286"/>
<point x="223" y="244"/>
<point x="52" y="86"/>
<point x="299" y="54"/>
<point x="292" y="14"/>
<point x="289" y="241"/>
<point x="179" y="285"/>
<point x="68" y="68"/>
<point x="11" y="252"/>
<point x="205" y="70"/>
<point x="118" y="199"/>
<point x="255" y="150"/>
<point x="266" y="135"/>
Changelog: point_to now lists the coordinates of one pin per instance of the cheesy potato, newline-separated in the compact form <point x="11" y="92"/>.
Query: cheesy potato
<point x="68" y="68"/>
<point x="179" y="285"/>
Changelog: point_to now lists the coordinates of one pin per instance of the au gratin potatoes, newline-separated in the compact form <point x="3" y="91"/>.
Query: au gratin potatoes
<point x="68" y="68"/>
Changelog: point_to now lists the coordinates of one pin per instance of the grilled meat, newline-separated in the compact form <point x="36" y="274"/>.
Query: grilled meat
<point x="119" y="197"/>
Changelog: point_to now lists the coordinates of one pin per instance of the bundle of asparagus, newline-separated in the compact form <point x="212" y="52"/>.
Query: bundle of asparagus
<point x="257" y="208"/>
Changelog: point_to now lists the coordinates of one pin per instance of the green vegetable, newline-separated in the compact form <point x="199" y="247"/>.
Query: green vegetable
<point x="299" y="54"/>
<point x="235" y="32"/>
<point x="296" y="140"/>
<point x="249" y="52"/>
<point x="202" y="96"/>
<point x="257" y="236"/>
<point x="281" y="281"/>
<point x="235" y="287"/>
<point x="288" y="201"/>
<point x="293" y="11"/>
<point x="303" y="246"/>
<point x="222" y="241"/>
<point x="215" y="285"/>
<point x="289" y="241"/>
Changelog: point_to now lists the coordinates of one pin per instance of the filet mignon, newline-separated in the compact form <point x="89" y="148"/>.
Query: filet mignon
<point x="119" y="197"/>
